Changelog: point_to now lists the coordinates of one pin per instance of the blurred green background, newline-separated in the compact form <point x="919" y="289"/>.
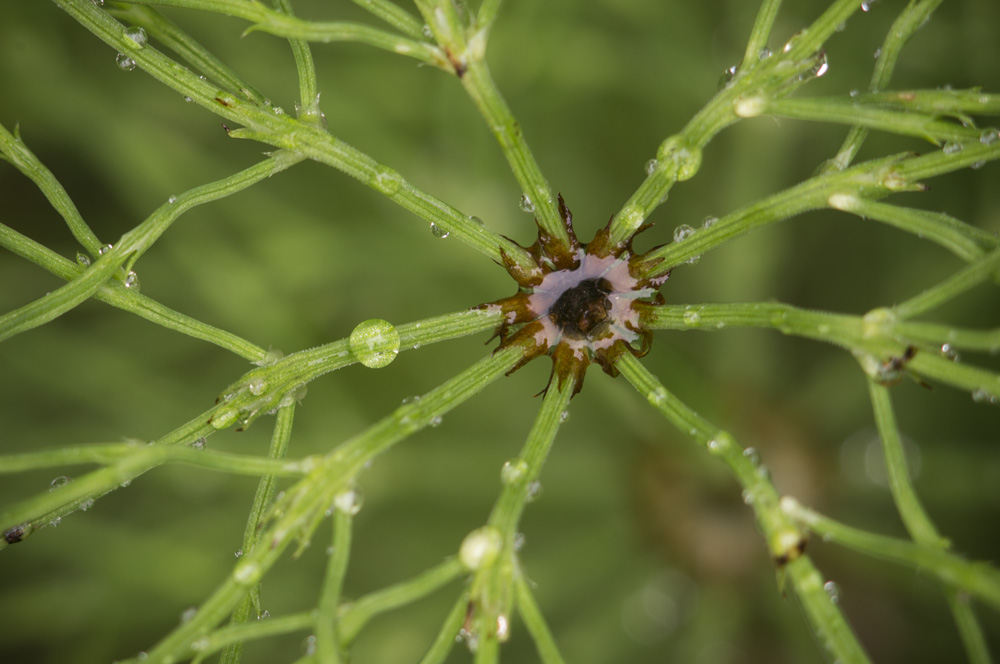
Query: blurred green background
<point x="640" y="546"/>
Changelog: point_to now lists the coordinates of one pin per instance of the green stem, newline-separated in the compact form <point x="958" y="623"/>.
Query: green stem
<point x="977" y="579"/>
<point x="116" y="294"/>
<point x="394" y="15"/>
<point x="18" y="154"/>
<point x="856" y="112"/>
<point x="535" y="623"/>
<point x="170" y="35"/>
<point x="327" y="626"/>
<point x="308" y="89"/>
<point x="357" y="614"/>
<point x="237" y="634"/>
<point x="916" y="13"/>
<point x="761" y="31"/>
<point x="298" y="513"/>
<point x="785" y="540"/>
<point x="445" y="639"/>
<point x="132" y="245"/>
<point x="262" y="500"/>
<point x="501" y="122"/>
<point x="971" y="275"/>
<point x="280" y="24"/>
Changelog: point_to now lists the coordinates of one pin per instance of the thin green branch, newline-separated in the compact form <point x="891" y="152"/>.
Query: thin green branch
<point x="262" y="500"/>
<point x="977" y="579"/>
<point x="954" y="103"/>
<point x="915" y="518"/>
<point x="916" y="13"/>
<point x="17" y="153"/>
<point x="132" y="245"/>
<point x="964" y="240"/>
<point x="327" y="626"/>
<point x="445" y="639"/>
<point x="237" y="634"/>
<point x="308" y="88"/>
<point x="394" y="15"/>
<point x="143" y="455"/>
<point x="500" y="120"/>
<point x="973" y="274"/>
<point x="355" y="615"/>
<point x="169" y="34"/>
<point x="487" y="14"/>
<point x="968" y="628"/>
<point x="785" y="540"/>
<point x="118" y="295"/>
<point x="855" y="112"/>
<point x="761" y="32"/>
<point x="535" y="623"/>
<point x="303" y="505"/>
<point x="45" y="508"/>
<point x="278" y="23"/>
<point x="956" y="338"/>
<point x="306" y="138"/>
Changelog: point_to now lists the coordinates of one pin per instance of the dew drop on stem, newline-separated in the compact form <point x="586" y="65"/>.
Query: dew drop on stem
<point x="832" y="591"/>
<point x="188" y="614"/>
<point x="82" y="259"/>
<point x="131" y="280"/>
<point x="124" y="62"/>
<point x="350" y="501"/>
<point x="136" y="34"/>
<point x="480" y="547"/>
<point x="59" y="482"/>
<point x="534" y="491"/>
<point x="752" y="455"/>
<point x="989" y="136"/>
<point x="513" y="470"/>
<point x="375" y="343"/>
<point x="651" y="166"/>
<point x="682" y="233"/>
<point x="526" y="204"/>
<point x="438" y="232"/>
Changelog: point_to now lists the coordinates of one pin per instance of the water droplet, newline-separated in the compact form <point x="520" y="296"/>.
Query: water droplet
<point x="386" y="180"/>
<point x="409" y="400"/>
<point x="477" y="221"/>
<point x="142" y="654"/>
<point x="503" y="628"/>
<point x="821" y="66"/>
<point x="480" y="547"/>
<point x="437" y="231"/>
<point x="657" y="397"/>
<point x="982" y="395"/>
<point x="513" y="470"/>
<point x="526" y="204"/>
<point x="709" y="222"/>
<point x="82" y="259"/>
<point x="310" y="645"/>
<point x="949" y="352"/>
<point x="270" y="357"/>
<point x="854" y="92"/>
<point x="533" y="492"/>
<point x="59" y="482"/>
<point x="518" y="541"/>
<point x="103" y="250"/>
<point x="877" y="54"/>
<point x="833" y="591"/>
<point x="98" y="3"/>
<point x="55" y="522"/>
<point x="435" y="421"/>
<point x="989" y="136"/>
<point x="124" y="62"/>
<point x="187" y="99"/>
<point x="748" y="497"/>
<point x="247" y="573"/>
<point x="651" y="166"/>
<point x="200" y="443"/>
<point x="264" y="615"/>
<point x="136" y="34"/>
<point x="427" y="32"/>
<point x="256" y="385"/>
<point x="866" y="5"/>
<point x="752" y="455"/>
<point x="764" y="53"/>
<point x="693" y="259"/>
<point x="131" y="280"/>
<point x="692" y="318"/>
<point x="188" y="614"/>
<point x="682" y="233"/>
<point x="952" y="147"/>
<point x="720" y="444"/>
<point x="172" y="199"/>
<point x="311" y="113"/>
<point x="203" y="643"/>
<point x="86" y="505"/>
<point x="375" y="343"/>
<point x="728" y="74"/>
<point x="349" y="501"/>
<point x="239" y="553"/>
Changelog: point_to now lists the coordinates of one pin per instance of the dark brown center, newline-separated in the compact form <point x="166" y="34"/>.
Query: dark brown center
<point x="581" y="309"/>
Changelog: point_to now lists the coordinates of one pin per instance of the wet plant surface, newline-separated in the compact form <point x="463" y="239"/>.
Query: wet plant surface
<point x="400" y="522"/>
